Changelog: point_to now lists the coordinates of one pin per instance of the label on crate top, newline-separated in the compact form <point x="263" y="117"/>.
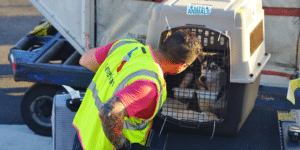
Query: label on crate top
<point x="198" y="10"/>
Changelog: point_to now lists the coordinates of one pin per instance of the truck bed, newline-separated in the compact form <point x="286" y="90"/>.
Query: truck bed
<point x="49" y="60"/>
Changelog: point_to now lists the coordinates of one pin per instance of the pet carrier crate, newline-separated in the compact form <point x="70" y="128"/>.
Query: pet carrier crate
<point x="216" y="93"/>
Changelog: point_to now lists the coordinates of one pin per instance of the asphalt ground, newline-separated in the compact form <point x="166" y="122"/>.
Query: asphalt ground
<point x="12" y="29"/>
<point x="17" y="19"/>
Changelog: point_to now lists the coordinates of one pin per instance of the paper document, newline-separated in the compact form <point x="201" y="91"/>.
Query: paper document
<point x="287" y="116"/>
<point x="293" y="85"/>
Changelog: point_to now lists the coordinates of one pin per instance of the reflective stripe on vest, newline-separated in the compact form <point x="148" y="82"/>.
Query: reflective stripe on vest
<point x="127" y="125"/>
<point x="118" y="45"/>
<point x="95" y="92"/>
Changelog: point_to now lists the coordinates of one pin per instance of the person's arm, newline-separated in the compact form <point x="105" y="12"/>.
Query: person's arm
<point x="95" y="57"/>
<point x="89" y="60"/>
<point x="112" y="116"/>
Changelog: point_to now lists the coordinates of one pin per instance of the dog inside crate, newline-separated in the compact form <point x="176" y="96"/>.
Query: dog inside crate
<point x="198" y="94"/>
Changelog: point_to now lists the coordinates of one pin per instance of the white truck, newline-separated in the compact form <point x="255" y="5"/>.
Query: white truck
<point x="238" y="30"/>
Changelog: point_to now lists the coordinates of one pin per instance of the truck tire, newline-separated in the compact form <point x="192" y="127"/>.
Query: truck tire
<point x="36" y="107"/>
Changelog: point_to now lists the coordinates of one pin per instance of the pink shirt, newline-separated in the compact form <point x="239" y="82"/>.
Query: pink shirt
<point x="139" y="97"/>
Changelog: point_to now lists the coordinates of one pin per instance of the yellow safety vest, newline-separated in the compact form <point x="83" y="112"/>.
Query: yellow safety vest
<point x="107" y="81"/>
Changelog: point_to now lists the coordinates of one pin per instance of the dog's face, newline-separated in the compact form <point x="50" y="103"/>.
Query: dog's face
<point x="212" y="66"/>
<point x="210" y="72"/>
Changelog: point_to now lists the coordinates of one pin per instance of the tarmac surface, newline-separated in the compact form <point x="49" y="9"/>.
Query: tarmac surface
<point x="16" y="21"/>
<point x="17" y="18"/>
<point x="20" y="137"/>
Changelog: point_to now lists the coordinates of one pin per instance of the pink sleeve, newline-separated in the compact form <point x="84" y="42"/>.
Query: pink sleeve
<point x="139" y="98"/>
<point x="101" y="52"/>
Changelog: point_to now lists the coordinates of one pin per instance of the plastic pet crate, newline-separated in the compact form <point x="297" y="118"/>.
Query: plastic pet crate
<point x="217" y="93"/>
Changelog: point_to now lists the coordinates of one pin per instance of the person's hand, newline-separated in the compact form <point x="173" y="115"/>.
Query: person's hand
<point x="120" y="143"/>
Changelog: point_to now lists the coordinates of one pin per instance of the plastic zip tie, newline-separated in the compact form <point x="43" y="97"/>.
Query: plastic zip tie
<point x="166" y="142"/>
<point x="162" y="126"/>
<point x="167" y="23"/>
<point x="219" y="37"/>
<point x="213" y="130"/>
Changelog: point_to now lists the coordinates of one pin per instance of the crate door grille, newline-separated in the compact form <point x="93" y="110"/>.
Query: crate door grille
<point x="198" y="96"/>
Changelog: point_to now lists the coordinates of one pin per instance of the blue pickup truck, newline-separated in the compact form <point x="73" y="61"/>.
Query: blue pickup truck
<point x="49" y="61"/>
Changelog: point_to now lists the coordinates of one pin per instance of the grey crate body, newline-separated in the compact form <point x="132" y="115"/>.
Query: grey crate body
<point x="63" y="132"/>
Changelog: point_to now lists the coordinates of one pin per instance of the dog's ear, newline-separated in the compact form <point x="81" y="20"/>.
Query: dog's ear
<point x="226" y="60"/>
<point x="205" y="56"/>
<point x="200" y="58"/>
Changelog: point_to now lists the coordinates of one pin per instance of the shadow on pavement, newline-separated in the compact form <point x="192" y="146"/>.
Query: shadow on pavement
<point x="5" y="71"/>
<point x="10" y="103"/>
<point x="11" y="94"/>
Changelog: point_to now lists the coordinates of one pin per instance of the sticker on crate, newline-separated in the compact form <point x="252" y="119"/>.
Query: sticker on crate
<point x="198" y="10"/>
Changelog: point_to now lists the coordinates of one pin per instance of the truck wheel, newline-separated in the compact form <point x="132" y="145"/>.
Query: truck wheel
<point x="36" y="108"/>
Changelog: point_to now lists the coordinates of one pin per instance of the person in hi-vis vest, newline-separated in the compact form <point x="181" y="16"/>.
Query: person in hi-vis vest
<point x="128" y="90"/>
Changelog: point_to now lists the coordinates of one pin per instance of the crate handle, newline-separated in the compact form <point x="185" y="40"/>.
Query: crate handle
<point x="196" y="25"/>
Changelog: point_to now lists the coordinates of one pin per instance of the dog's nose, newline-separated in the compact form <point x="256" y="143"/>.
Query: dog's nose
<point x="203" y="78"/>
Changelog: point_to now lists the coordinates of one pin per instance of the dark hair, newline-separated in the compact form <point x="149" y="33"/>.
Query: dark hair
<point x="181" y="47"/>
